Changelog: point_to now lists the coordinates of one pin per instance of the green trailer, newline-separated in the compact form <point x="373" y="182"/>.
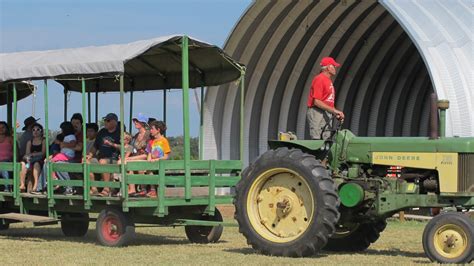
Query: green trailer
<point x="186" y="188"/>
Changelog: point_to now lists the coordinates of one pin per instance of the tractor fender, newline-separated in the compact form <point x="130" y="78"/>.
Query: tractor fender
<point x="314" y="147"/>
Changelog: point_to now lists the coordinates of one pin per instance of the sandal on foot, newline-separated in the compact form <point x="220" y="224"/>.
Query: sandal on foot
<point x="104" y="194"/>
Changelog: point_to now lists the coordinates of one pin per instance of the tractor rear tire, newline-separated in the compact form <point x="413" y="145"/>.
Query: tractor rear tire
<point x="205" y="234"/>
<point x="449" y="238"/>
<point x="75" y="224"/>
<point x="4" y="226"/>
<point x="286" y="204"/>
<point x="114" y="228"/>
<point x="355" y="238"/>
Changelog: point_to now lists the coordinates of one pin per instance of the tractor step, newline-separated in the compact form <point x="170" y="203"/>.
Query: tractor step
<point x="26" y="217"/>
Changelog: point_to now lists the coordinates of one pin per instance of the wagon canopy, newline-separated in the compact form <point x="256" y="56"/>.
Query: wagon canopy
<point x="24" y="89"/>
<point x="146" y="65"/>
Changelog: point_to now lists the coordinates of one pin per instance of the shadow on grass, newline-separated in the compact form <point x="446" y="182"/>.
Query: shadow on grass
<point x="369" y="252"/>
<point x="390" y="252"/>
<point x="249" y="251"/>
<point x="55" y="234"/>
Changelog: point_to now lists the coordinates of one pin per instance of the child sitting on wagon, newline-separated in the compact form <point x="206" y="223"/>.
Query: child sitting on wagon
<point x="157" y="149"/>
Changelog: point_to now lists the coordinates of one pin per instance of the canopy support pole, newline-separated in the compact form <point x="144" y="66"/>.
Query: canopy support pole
<point x="9" y="107"/>
<point x="65" y="103"/>
<point x="46" y="128"/>
<point x="97" y="103"/>
<point x="164" y="105"/>
<point x="124" y="187"/>
<point x="185" y="85"/>
<point x="131" y="111"/>
<point x="88" y="105"/>
<point x="85" y="168"/>
<point x="16" y="187"/>
<point x="201" y="126"/>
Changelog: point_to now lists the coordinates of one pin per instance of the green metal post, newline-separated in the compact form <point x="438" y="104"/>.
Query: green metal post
<point x="88" y="106"/>
<point x="16" y="190"/>
<point x="65" y="104"/>
<point x="46" y="128"/>
<point x="212" y="187"/>
<point x="201" y="127"/>
<point x="9" y="108"/>
<point x="161" y="189"/>
<point x="185" y="85"/>
<point x="122" y="147"/>
<point x="97" y="106"/>
<point x="164" y="106"/>
<point x="85" y="169"/>
<point x="131" y="111"/>
<point x="242" y="113"/>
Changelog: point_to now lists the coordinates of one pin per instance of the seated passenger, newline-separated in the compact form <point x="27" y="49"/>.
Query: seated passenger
<point x="65" y="155"/>
<point x="91" y="134"/>
<point x="106" y="143"/>
<point x="34" y="157"/>
<point x="6" y="149"/>
<point x="27" y="135"/>
<point x="139" y="143"/>
<point x="76" y="121"/>
<point x="157" y="149"/>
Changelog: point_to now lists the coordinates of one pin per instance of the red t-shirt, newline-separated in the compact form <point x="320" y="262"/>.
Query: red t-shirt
<point x="321" y="89"/>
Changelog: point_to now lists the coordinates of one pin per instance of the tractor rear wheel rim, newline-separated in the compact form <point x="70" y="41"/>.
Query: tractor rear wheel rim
<point x="280" y="205"/>
<point x="450" y="241"/>
<point x="111" y="229"/>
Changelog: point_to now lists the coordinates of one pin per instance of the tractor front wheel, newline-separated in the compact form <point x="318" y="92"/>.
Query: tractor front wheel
<point x="449" y="238"/>
<point x="286" y="204"/>
<point x="205" y="234"/>
<point x="355" y="236"/>
<point x="114" y="228"/>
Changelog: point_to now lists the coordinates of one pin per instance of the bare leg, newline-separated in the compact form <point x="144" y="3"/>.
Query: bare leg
<point x="23" y="175"/>
<point x="36" y="173"/>
<point x="105" y="176"/>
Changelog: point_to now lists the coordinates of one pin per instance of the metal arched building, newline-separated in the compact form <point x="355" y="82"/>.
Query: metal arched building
<point x="393" y="55"/>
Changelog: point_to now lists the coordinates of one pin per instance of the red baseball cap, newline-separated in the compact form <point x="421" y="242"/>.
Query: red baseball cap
<point x="326" y="61"/>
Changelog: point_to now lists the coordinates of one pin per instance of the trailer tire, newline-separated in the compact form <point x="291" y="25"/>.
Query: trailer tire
<point x="77" y="226"/>
<point x="286" y="204"/>
<point x="449" y="238"/>
<point x="205" y="234"/>
<point x="114" y="228"/>
<point x="355" y="239"/>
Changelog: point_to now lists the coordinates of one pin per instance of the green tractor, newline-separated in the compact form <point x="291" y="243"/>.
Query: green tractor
<point x="303" y="196"/>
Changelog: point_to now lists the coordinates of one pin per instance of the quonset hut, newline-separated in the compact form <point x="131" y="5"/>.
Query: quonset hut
<point x="394" y="54"/>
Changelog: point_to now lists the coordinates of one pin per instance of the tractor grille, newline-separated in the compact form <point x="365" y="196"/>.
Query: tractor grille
<point x="466" y="172"/>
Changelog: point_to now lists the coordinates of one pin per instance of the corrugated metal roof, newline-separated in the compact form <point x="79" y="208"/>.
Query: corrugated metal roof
<point x="391" y="61"/>
<point x="442" y="31"/>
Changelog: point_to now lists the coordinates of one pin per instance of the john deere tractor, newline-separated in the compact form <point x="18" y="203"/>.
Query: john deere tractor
<point x="303" y="196"/>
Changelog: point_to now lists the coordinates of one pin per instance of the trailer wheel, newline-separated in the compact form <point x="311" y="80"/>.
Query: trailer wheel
<point x="355" y="237"/>
<point x="114" y="228"/>
<point x="449" y="238"/>
<point x="75" y="224"/>
<point x="205" y="234"/>
<point x="286" y="204"/>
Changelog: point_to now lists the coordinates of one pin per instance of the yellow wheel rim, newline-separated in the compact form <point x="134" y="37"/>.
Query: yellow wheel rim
<point x="450" y="241"/>
<point x="280" y="205"/>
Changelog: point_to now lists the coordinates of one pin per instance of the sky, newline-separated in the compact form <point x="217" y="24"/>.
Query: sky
<point x="54" y="24"/>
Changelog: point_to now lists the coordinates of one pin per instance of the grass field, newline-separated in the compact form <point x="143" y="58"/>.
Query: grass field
<point x="24" y="244"/>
